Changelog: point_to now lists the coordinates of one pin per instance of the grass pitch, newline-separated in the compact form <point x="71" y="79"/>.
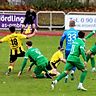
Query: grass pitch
<point x="28" y="86"/>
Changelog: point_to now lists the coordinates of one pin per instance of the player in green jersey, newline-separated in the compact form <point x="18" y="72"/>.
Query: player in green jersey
<point x="36" y="58"/>
<point x="90" y="55"/>
<point x="74" y="60"/>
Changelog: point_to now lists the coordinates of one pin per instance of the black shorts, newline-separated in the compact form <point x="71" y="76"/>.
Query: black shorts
<point x="14" y="57"/>
<point x="28" y="21"/>
<point x="49" y="66"/>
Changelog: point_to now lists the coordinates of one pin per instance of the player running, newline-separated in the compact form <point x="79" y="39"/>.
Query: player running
<point x="16" y="48"/>
<point x="70" y="35"/>
<point x="78" y="48"/>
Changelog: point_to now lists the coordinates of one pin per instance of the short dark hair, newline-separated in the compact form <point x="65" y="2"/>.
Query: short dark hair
<point x="81" y="34"/>
<point x="29" y="43"/>
<point x="60" y="48"/>
<point x="12" y="29"/>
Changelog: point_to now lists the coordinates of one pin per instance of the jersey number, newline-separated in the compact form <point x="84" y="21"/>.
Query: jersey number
<point x="71" y="37"/>
<point x="14" y="41"/>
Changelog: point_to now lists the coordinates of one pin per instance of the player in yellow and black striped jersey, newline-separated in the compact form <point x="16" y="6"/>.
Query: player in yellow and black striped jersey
<point x="16" y="49"/>
<point x="55" y="61"/>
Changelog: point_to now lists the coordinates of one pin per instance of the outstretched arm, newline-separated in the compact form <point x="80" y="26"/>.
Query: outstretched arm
<point x="31" y="35"/>
<point x="89" y="35"/>
<point x="23" y="66"/>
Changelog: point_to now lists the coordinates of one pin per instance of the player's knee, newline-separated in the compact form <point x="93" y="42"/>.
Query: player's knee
<point x="84" y="70"/>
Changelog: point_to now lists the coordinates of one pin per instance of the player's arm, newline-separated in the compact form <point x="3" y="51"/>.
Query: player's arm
<point x="24" y="63"/>
<point x="89" y="35"/>
<point x="30" y="66"/>
<point x="23" y="66"/>
<point x="62" y="39"/>
<point x="83" y="54"/>
<point x="30" y="35"/>
<point x="22" y="36"/>
<point x="0" y="41"/>
<point x="63" y="60"/>
<point x="4" y="39"/>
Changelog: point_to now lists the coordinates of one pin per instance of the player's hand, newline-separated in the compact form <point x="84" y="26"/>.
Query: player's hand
<point x="19" y="74"/>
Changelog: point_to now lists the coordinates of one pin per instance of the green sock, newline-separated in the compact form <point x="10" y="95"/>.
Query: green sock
<point x="63" y="74"/>
<point x="83" y="75"/>
<point x="92" y="62"/>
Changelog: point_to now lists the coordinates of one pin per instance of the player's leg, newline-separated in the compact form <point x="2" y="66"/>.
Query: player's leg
<point x="72" y="73"/>
<point x="38" y="73"/>
<point x="67" y="68"/>
<point x="93" y="63"/>
<point x="81" y="67"/>
<point x="51" y="70"/>
<point x="33" y="26"/>
<point x="12" y="62"/>
<point x="66" y="55"/>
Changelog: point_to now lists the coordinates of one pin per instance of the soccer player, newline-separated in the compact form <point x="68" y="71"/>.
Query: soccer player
<point x="37" y="59"/>
<point x="55" y="61"/>
<point x="90" y="55"/>
<point x="78" y="48"/>
<point x="30" y="17"/>
<point x="70" y="35"/>
<point x="16" y="49"/>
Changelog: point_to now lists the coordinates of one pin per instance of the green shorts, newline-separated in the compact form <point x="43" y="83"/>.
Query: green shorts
<point x="69" y="65"/>
<point x="40" y="68"/>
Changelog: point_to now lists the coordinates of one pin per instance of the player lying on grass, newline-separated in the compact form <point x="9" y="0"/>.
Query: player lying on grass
<point x="90" y="55"/>
<point x="78" y="48"/>
<point x="37" y="59"/>
<point x="16" y="49"/>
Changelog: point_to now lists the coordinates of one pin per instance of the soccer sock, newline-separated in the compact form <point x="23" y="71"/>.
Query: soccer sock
<point x="10" y="68"/>
<point x="92" y="62"/>
<point x="61" y="76"/>
<point x="67" y="76"/>
<point x="83" y="75"/>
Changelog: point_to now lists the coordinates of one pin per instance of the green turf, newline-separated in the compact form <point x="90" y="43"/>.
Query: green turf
<point x="27" y="86"/>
